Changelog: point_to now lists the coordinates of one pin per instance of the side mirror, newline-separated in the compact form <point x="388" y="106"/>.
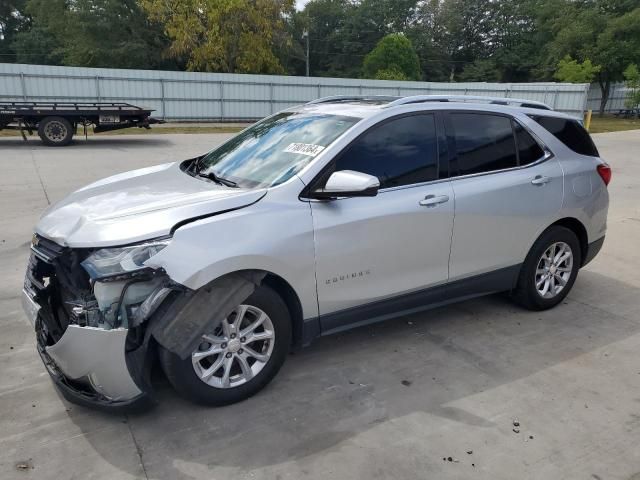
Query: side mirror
<point x="347" y="183"/>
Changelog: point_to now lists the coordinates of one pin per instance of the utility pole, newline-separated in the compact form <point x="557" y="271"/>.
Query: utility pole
<point x="305" y="35"/>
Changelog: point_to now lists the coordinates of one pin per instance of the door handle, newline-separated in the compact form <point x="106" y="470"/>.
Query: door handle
<point x="540" y="180"/>
<point x="433" y="200"/>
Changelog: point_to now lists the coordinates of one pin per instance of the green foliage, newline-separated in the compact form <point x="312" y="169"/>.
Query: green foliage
<point x="13" y="20"/>
<point x="91" y="33"/>
<point x="607" y="34"/>
<point x="571" y="71"/>
<point x="481" y="71"/>
<point x="223" y="35"/>
<point x="632" y="82"/>
<point x="393" y="54"/>
<point x="436" y="40"/>
<point x="392" y="73"/>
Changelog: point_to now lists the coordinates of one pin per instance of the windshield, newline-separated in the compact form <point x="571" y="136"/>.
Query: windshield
<point x="273" y="150"/>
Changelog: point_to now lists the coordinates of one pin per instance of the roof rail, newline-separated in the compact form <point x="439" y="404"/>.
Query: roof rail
<point x="519" y="102"/>
<point x="353" y="98"/>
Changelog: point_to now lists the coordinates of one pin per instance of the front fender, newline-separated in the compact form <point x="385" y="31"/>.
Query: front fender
<point x="275" y="236"/>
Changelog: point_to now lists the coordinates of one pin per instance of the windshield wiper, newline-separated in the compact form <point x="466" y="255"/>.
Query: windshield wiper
<point x="220" y="180"/>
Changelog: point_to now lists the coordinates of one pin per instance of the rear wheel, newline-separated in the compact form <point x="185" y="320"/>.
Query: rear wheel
<point x="237" y="358"/>
<point x="55" y="131"/>
<point x="550" y="269"/>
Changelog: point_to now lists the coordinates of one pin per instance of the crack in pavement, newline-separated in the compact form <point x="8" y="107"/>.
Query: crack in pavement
<point x="35" y="166"/>
<point x="138" y="449"/>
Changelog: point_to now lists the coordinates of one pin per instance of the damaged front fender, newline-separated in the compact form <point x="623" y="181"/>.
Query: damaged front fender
<point x="179" y="327"/>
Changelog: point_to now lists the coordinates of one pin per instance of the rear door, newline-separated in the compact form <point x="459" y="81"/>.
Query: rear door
<point x="507" y="190"/>
<point x="373" y="248"/>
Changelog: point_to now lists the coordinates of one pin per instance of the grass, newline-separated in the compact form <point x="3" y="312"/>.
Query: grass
<point x="155" y="130"/>
<point x="606" y="123"/>
<point x="609" y="123"/>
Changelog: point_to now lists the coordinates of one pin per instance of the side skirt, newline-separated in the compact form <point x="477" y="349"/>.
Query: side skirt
<point x="500" y="280"/>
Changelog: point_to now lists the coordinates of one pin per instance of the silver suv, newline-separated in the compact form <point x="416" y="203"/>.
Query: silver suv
<point x="327" y="216"/>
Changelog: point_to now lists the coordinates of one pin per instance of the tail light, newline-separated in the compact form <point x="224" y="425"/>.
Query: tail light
<point x="604" y="171"/>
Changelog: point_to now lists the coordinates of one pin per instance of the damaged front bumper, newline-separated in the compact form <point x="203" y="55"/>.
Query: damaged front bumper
<point x="91" y="363"/>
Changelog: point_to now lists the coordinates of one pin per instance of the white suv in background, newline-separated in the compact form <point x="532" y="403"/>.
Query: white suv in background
<point x="323" y="217"/>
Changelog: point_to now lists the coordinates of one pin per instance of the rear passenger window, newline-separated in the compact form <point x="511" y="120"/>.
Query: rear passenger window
<point x="528" y="149"/>
<point x="402" y="151"/>
<point x="484" y="142"/>
<point x="569" y="132"/>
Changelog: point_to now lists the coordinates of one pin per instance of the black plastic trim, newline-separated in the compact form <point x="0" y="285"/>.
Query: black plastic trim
<point x="592" y="250"/>
<point x="322" y="195"/>
<point x="500" y="280"/>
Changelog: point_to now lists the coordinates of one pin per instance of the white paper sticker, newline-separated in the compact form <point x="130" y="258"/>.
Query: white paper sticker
<point x="304" y="148"/>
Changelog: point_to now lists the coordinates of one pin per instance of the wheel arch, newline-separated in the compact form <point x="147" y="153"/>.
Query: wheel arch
<point x="290" y="297"/>
<point x="577" y="227"/>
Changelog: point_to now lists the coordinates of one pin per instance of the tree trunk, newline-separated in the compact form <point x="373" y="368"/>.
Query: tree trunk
<point x="605" y="87"/>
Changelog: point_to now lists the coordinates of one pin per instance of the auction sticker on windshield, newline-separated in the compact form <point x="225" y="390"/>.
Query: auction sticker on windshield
<point x="304" y="148"/>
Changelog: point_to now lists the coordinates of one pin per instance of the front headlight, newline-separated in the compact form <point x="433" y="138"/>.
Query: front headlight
<point x="116" y="261"/>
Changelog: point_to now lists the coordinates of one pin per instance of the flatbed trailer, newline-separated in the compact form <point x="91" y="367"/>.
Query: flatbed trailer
<point x="57" y="122"/>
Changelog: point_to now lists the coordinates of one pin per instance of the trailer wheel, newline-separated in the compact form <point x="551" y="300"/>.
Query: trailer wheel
<point x="55" y="131"/>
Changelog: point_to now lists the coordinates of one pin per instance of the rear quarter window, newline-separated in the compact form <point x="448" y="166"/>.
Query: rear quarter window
<point x="569" y="132"/>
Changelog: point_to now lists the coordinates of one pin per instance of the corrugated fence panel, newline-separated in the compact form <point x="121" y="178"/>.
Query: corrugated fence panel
<point x="228" y="97"/>
<point x="617" y="98"/>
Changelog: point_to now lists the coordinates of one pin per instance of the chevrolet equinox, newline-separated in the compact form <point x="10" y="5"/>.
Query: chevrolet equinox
<point x="323" y="217"/>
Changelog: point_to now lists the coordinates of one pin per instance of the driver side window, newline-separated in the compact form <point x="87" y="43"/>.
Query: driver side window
<point x="401" y="151"/>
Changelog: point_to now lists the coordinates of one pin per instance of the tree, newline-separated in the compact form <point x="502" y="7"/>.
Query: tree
<point x="342" y="32"/>
<point x="603" y="33"/>
<point x="618" y="46"/>
<point x="40" y="44"/>
<point x="632" y="82"/>
<point x="233" y="36"/>
<point x="331" y="43"/>
<point x="571" y="71"/>
<point x="393" y="53"/>
<point x="429" y="35"/>
<point x="390" y="74"/>
<point x="13" y="20"/>
<point x="91" y="33"/>
<point x="481" y="71"/>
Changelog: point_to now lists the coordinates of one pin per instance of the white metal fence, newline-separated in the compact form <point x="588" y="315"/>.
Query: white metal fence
<point x="617" y="98"/>
<point x="229" y="97"/>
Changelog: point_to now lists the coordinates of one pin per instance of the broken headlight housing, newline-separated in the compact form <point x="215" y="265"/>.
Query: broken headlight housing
<point x="108" y="262"/>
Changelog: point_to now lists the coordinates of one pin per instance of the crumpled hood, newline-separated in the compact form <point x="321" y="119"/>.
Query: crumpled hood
<point x="136" y="206"/>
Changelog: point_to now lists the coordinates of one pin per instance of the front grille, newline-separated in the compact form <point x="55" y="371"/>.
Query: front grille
<point x="45" y="249"/>
<point x="56" y="280"/>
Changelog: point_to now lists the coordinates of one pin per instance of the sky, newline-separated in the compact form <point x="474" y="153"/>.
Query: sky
<point x="301" y="3"/>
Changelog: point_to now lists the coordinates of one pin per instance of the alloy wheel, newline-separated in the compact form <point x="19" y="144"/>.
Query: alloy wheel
<point x="554" y="270"/>
<point x="237" y="350"/>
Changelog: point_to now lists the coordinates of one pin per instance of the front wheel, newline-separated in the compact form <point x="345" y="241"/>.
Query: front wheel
<point x="550" y="269"/>
<point x="237" y="358"/>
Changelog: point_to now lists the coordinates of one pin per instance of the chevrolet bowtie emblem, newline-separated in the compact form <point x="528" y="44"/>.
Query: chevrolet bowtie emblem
<point x="34" y="241"/>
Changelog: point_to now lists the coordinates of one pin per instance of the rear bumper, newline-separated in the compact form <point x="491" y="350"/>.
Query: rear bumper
<point x="592" y="250"/>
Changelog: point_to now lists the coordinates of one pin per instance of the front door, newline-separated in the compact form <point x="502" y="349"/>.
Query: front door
<point x="371" y="249"/>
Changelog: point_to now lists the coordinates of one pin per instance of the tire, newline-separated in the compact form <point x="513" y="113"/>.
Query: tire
<point x="55" y="131"/>
<point x="185" y="375"/>
<point x="527" y="293"/>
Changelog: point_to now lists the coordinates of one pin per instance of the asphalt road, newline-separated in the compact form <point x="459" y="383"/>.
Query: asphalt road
<point x="429" y="396"/>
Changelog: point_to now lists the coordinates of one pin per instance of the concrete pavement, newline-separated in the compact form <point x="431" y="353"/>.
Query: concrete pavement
<point x="394" y="400"/>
